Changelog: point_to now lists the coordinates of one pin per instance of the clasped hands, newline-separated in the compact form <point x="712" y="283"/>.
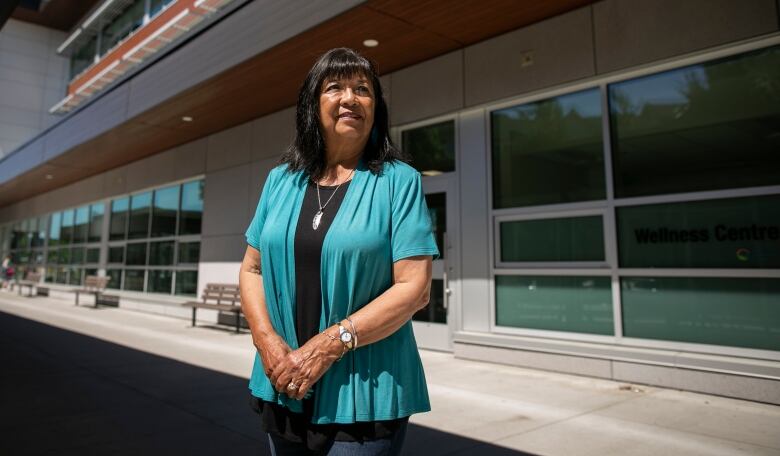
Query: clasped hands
<point x="294" y="372"/>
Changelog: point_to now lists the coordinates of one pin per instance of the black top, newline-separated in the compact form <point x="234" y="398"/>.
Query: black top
<point x="297" y="427"/>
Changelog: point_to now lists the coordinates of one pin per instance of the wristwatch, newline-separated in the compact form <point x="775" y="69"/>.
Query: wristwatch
<point x="346" y="338"/>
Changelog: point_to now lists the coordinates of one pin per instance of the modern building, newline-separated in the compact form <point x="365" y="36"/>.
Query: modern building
<point x="604" y="177"/>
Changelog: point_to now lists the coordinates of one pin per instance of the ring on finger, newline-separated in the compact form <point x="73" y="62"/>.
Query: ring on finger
<point x="292" y="386"/>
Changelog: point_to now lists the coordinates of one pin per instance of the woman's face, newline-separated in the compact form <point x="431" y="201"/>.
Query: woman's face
<point x="347" y="108"/>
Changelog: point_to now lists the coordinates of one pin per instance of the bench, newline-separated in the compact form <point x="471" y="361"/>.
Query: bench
<point x="30" y="281"/>
<point x="218" y="296"/>
<point x="94" y="285"/>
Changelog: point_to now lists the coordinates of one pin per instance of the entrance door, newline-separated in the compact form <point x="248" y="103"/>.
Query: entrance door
<point x="433" y="325"/>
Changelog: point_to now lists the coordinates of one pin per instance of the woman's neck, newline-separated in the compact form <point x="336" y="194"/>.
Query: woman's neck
<point x="339" y="164"/>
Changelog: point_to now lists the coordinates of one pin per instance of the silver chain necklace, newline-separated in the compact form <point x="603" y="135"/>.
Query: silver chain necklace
<point x="315" y="223"/>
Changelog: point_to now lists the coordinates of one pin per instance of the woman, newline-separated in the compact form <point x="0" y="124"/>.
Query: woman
<point x="338" y="260"/>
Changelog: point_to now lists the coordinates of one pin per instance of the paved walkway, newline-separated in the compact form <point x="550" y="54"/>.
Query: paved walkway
<point x="113" y="381"/>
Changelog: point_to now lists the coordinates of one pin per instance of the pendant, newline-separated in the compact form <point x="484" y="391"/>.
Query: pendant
<point x="316" y="222"/>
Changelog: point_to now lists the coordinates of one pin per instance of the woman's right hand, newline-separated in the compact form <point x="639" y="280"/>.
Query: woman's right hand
<point x="272" y="349"/>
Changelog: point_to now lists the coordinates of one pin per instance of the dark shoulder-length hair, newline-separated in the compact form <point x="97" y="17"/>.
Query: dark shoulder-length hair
<point x="307" y="151"/>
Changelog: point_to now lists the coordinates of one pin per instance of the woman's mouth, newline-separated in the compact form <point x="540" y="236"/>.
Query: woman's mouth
<point x="349" y="115"/>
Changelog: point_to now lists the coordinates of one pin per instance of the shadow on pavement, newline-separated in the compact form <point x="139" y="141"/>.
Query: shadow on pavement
<point x="66" y="393"/>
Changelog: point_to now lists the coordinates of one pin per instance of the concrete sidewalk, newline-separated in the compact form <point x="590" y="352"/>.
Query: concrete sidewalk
<point x="478" y="408"/>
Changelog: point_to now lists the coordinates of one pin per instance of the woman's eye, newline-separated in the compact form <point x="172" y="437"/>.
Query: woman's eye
<point x="363" y="89"/>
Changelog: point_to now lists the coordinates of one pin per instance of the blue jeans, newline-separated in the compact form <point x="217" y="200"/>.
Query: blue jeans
<point x="390" y="446"/>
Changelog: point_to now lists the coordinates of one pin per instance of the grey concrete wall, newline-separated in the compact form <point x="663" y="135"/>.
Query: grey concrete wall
<point x="33" y="78"/>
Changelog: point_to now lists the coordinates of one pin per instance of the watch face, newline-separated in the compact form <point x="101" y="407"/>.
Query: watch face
<point x="346" y="337"/>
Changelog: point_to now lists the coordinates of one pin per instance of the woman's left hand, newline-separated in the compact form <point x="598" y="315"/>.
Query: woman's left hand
<point x="306" y="365"/>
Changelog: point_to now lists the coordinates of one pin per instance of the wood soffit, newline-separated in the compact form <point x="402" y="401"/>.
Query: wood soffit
<point x="408" y="33"/>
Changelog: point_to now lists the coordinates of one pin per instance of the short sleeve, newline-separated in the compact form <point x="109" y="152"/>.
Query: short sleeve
<point x="256" y="225"/>
<point x="412" y="232"/>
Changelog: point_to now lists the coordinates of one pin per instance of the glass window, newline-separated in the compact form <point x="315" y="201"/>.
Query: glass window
<point x="116" y="254"/>
<point x="62" y="275"/>
<point x="118" y="225"/>
<point x="77" y="255"/>
<point x="559" y="239"/>
<point x="66" y="231"/>
<point x="64" y="255"/>
<point x="93" y="255"/>
<point x="725" y="233"/>
<point x="432" y="147"/>
<point x="122" y="26"/>
<point x="139" y="215"/>
<point x="189" y="252"/>
<point x="39" y="236"/>
<point x="51" y="275"/>
<point x="703" y="127"/>
<point x="136" y="254"/>
<point x="160" y="281"/>
<point x="191" y="207"/>
<point x="81" y="225"/>
<point x="155" y="6"/>
<point x="83" y="57"/>
<point x="161" y="253"/>
<point x="95" y="222"/>
<point x="134" y="280"/>
<point x="54" y="228"/>
<point x="74" y="278"/>
<point x="166" y="203"/>
<point x="53" y="257"/>
<point x="437" y="209"/>
<point x="549" y="151"/>
<point x="574" y="304"/>
<point x="90" y="272"/>
<point x="114" y="278"/>
<point x="720" y="311"/>
<point x="186" y="283"/>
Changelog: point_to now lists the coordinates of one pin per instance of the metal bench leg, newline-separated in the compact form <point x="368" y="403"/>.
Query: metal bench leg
<point x="97" y="296"/>
<point x="238" y="322"/>
<point x="77" y="298"/>
<point x="194" y="311"/>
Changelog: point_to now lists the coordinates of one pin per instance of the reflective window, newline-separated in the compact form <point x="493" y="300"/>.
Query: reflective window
<point x="549" y="151"/>
<point x="81" y="225"/>
<point x="66" y="236"/>
<point x="136" y="254"/>
<point x="75" y="276"/>
<point x="166" y="204"/>
<point x="155" y="6"/>
<point x="189" y="252"/>
<point x="557" y="239"/>
<point x="83" y="57"/>
<point x="123" y="25"/>
<point x="186" y="283"/>
<point x="116" y="254"/>
<point x="77" y="255"/>
<point x="39" y="236"/>
<point x="95" y="222"/>
<point x="161" y="253"/>
<point x="114" y="278"/>
<point x="191" y="207"/>
<point x="160" y="281"/>
<point x="93" y="255"/>
<point x="725" y="233"/>
<point x="432" y="147"/>
<point x="710" y="126"/>
<point x="576" y="304"/>
<point x="721" y="311"/>
<point x="138" y="226"/>
<point x="118" y="225"/>
<point x="134" y="280"/>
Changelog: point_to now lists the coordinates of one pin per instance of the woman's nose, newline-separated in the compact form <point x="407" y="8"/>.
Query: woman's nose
<point x="349" y="97"/>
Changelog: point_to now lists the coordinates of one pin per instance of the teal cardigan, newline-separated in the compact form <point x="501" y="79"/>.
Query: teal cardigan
<point x="383" y="218"/>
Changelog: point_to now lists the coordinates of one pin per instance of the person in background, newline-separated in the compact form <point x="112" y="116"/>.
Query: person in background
<point x="338" y="260"/>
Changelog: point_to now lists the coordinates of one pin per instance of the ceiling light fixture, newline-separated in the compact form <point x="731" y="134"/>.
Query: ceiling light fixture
<point x="49" y="177"/>
<point x="186" y="119"/>
<point x="370" y="43"/>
